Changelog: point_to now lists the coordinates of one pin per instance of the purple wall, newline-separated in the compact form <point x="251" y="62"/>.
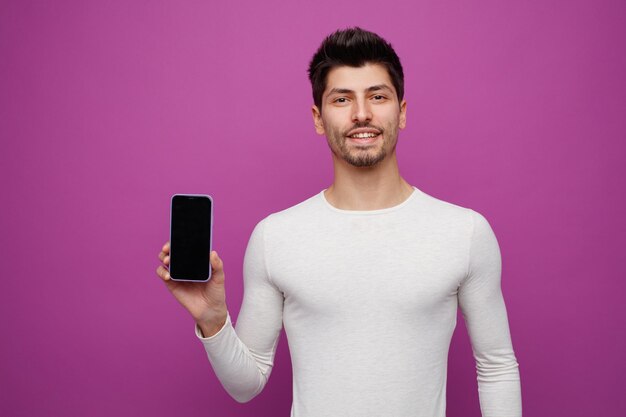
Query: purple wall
<point x="516" y="109"/>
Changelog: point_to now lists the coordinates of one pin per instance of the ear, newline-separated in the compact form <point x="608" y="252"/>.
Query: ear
<point x="317" y="120"/>
<point x="402" y="117"/>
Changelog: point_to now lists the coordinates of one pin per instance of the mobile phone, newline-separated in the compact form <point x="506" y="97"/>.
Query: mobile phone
<point x="191" y="235"/>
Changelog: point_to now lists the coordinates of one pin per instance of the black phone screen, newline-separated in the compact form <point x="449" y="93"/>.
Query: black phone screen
<point x="190" y="237"/>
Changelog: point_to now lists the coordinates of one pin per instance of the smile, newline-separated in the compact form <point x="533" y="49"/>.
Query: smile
<point x="363" y="135"/>
<point x="364" y="138"/>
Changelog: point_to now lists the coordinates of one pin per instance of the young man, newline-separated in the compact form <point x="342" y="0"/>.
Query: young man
<point x="367" y="275"/>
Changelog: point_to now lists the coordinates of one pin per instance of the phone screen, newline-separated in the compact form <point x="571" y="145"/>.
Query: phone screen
<point x="190" y="237"/>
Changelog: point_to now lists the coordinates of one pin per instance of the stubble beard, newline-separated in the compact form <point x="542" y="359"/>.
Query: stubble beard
<point x="361" y="156"/>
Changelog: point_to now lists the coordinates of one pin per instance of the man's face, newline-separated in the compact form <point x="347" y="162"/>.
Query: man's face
<point x="360" y="114"/>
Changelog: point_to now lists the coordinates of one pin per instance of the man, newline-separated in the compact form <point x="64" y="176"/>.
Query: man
<point x="366" y="276"/>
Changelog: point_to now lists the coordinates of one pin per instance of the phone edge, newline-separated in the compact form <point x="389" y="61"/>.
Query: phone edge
<point x="210" y="235"/>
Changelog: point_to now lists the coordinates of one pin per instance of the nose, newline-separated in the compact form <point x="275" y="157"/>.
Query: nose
<point x="361" y="111"/>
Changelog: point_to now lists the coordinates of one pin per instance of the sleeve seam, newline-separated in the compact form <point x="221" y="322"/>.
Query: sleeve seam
<point x="469" y="246"/>
<point x="265" y="258"/>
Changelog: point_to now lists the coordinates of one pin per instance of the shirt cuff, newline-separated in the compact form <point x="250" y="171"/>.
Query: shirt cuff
<point x="216" y="335"/>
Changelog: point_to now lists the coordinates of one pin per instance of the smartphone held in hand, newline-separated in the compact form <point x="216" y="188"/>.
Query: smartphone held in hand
<point x="191" y="229"/>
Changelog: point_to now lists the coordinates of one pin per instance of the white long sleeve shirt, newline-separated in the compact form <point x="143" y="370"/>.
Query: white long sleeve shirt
<point x="369" y="300"/>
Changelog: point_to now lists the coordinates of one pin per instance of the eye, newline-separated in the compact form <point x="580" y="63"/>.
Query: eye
<point x="340" y="100"/>
<point x="378" y="97"/>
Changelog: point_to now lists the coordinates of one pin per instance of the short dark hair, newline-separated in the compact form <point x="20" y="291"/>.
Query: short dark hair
<point x="353" y="47"/>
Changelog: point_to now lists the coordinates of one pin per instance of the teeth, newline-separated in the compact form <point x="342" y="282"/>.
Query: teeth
<point x="364" y="135"/>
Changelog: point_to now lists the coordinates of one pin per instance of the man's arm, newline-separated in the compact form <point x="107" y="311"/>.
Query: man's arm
<point x="484" y="311"/>
<point x="242" y="356"/>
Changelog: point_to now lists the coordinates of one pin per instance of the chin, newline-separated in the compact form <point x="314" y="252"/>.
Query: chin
<point x="364" y="161"/>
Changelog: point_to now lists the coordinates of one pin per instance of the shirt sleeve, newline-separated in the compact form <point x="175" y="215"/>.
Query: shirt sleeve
<point x="484" y="311"/>
<point x="242" y="356"/>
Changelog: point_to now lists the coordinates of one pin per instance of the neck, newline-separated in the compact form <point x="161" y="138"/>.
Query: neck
<point x="367" y="188"/>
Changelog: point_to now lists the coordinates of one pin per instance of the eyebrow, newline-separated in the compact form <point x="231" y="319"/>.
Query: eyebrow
<point x="376" y="87"/>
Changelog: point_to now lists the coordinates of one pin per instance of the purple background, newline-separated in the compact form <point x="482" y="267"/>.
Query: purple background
<point x="515" y="109"/>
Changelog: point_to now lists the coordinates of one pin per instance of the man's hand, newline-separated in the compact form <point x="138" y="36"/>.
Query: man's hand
<point x="205" y="301"/>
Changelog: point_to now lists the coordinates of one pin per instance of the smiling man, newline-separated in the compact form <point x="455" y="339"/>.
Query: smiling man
<point x="355" y="137"/>
<point x="366" y="276"/>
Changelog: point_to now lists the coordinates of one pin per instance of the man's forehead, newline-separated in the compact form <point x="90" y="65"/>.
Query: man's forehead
<point x="357" y="78"/>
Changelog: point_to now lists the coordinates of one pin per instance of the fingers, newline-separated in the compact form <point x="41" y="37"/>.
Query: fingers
<point x="166" y="248"/>
<point x="164" y="258"/>
<point x="217" y="266"/>
<point x="163" y="273"/>
<point x="164" y="254"/>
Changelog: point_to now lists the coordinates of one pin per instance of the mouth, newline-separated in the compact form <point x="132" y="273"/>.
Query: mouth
<point x="364" y="135"/>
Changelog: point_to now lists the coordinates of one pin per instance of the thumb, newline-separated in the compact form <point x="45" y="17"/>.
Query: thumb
<point x="217" y="268"/>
